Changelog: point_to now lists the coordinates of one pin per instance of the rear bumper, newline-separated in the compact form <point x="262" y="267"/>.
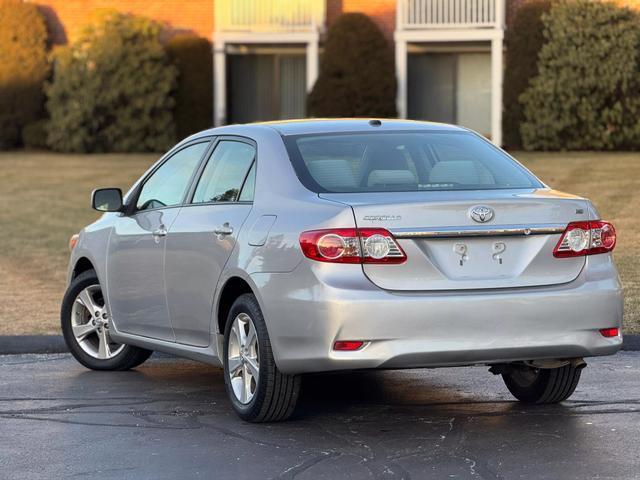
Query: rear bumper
<point x="310" y="308"/>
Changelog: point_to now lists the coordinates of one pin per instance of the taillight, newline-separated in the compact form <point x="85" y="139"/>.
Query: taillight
<point x="352" y="245"/>
<point x="586" y="238"/>
<point x="609" y="332"/>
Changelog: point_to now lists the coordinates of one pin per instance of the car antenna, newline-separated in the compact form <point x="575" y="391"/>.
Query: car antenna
<point x="375" y="123"/>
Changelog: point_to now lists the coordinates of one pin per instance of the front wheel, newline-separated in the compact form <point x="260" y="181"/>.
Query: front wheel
<point x="258" y="391"/>
<point x="85" y="326"/>
<point x="541" y="386"/>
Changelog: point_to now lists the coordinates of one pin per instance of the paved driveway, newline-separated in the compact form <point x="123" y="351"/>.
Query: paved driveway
<point x="170" y="420"/>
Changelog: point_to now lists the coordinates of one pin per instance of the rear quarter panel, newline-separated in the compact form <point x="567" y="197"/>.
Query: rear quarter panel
<point x="279" y="194"/>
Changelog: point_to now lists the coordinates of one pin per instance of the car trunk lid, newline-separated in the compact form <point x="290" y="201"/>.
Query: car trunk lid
<point x="509" y="244"/>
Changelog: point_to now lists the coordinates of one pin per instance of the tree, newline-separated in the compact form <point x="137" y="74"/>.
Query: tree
<point x="112" y="89"/>
<point x="193" y="58"/>
<point x="23" y="68"/>
<point x="357" y="75"/>
<point x="587" y="92"/>
<point x="524" y="41"/>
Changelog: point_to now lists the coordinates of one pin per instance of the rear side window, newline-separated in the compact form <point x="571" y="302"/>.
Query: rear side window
<point x="403" y="162"/>
<point x="248" y="189"/>
<point x="225" y="173"/>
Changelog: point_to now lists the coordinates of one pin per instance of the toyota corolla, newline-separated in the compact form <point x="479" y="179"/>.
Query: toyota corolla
<point x="279" y="249"/>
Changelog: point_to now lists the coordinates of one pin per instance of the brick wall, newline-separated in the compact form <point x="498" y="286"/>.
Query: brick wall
<point x="66" y="18"/>
<point x="383" y="12"/>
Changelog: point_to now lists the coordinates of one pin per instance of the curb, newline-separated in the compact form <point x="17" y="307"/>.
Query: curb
<point x="24" y="344"/>
<point x="21" y="344"/>
<point x="631" y="343"/>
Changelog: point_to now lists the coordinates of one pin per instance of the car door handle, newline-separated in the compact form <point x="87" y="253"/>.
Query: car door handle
<point x="225" y="229"/>
<point x="160" y="232"/>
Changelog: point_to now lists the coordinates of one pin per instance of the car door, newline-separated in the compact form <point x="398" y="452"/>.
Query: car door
<point x="135" y="258"/>
<point x="203" y="236"/>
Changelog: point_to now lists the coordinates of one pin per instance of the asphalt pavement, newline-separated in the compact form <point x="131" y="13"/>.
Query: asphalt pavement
<point x="170" y="419"/>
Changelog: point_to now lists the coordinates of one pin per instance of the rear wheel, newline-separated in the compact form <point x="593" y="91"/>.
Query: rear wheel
<point x="85" y="327"/>
<point x="537" y="385"/>
<point x="258" y="391"/>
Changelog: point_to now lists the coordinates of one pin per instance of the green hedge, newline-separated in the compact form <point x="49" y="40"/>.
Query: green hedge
<point x="587" y="93"/>
<point x="34" y="135"/>
<point x="112" y="89"/>
<point x="357" y="73"/>
<point x="23" y="68"/>
<point x="523" y="41"/>
<point x="193" y="58"/>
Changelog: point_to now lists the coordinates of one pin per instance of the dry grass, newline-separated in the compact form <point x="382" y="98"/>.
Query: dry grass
<point x="612" y="182"/>
<point x="44" y="198"/>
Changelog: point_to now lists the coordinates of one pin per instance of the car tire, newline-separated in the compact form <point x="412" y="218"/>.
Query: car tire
<point x="274" y="395"/>
<point x="542" y="386"/>
<point x="87" y="349"/>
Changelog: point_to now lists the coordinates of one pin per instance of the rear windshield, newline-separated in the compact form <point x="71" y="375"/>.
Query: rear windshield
<point x="403" y="162"/>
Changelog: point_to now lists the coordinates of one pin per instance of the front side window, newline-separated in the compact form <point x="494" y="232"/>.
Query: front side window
<point x="403" y="162"/>
<point x="167" y="186"/>
<point x="225" y="173"/>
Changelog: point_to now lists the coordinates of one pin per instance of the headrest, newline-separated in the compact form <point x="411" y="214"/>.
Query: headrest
<point x="332" y="174"/>
<point x="391" y="177"/>
<point x="465" y="172"/>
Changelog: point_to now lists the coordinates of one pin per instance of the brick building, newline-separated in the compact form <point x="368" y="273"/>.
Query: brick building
<point x="448" y="52"/>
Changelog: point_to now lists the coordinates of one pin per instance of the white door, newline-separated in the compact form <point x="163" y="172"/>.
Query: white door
<point x="474" y="92"/>
<point x="451" y="87"/>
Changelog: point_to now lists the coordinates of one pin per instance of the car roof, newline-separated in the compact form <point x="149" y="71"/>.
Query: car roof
<point x="333" y="125"/>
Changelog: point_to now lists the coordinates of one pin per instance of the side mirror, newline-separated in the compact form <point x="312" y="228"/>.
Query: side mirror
<point x="107" y="200"/>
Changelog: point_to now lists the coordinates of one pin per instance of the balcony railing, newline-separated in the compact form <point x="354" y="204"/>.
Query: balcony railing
<point x="428" y="14"/>
<point x="269" y="16"/>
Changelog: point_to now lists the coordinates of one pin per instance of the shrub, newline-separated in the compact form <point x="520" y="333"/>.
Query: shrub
<point x="357" y="74"/>
<point x="587" y="92"/>
<point x="34" y="134"/>
<point x="112" y="89"/>
<point x="523" y="41"/>
<point x="23" y="68"/>
<point x="193" y="58"/>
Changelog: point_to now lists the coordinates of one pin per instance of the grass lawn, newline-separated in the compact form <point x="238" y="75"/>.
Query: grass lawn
<point x="44" y="198"/>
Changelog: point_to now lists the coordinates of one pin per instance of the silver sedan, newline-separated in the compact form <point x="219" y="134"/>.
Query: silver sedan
<point x="279" y="249"/>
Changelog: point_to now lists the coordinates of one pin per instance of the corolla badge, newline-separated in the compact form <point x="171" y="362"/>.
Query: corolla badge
<point x="381" y="218"/>
<point x="481" y="213"/>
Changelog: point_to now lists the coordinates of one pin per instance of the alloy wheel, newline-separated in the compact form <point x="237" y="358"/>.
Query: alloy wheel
<point x="90" y="324"/>
<point x="243" y="358"/>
